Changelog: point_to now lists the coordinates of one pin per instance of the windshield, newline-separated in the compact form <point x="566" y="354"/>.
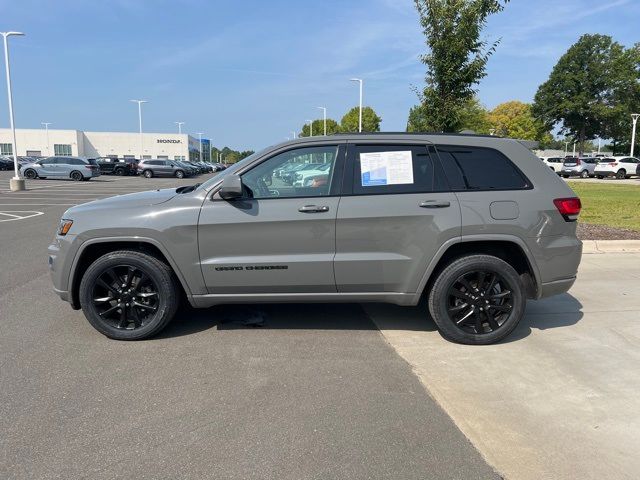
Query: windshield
<point x="232" y="169"/>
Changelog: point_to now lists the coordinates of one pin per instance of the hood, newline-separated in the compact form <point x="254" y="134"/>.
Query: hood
<point x="128" y="201"/>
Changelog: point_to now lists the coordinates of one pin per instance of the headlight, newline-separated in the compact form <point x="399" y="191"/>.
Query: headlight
<point x="64" y="227"/>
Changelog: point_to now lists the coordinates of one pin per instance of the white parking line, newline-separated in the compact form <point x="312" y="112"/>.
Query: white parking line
<point x="13" y="216"/>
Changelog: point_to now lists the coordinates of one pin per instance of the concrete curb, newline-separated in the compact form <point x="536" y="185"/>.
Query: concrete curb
<point x="611" y="246"/>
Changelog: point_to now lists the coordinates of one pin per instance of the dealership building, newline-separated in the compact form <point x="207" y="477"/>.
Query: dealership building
<point x="40" y="142"/>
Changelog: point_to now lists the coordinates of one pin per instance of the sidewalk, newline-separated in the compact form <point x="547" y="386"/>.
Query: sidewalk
<point x="559" y="399"/>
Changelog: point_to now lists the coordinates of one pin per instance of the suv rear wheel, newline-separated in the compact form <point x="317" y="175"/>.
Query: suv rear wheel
<point x="179" y="174"/>
<point x="119" y="171"/>
<point x="620" y="174"/>
<point x="584" y="174"/>
<point x="128" y="295"/>
<point x="477" y="300"/>
<point x="76" y="176"/>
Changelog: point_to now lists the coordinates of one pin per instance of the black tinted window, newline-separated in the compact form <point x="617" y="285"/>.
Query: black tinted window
<point x="395" y="169"/>
<point x="478" y="168"/>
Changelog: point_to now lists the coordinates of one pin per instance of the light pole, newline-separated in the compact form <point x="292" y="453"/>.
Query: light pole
<point x="200" y="138"/>
<point x="310" y="127"/>
<point x="599" y="145"/>
<point x="294" y="135"/>
<point x="566" y="148"/>
<point x="359" y="80"/>
<point x="574" y="147"/>
<point x="46" y="128"/>
<point x="324" y="118"/>
<point x="634" y="119"/>
<point x="140" y="102"/>
<point x="16" y="183"/>
<point x="179" y="126"/>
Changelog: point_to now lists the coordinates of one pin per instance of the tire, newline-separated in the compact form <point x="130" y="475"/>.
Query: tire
<point x="584" y="174"/>
<point x="30" y="173"/>
<point x="565" y="176"/>
<point x="179" y="174"/>
<point x="620" y="174"/>
<point x="447" y="310"/>
<point x="600" y="177"/>
<point x="153" y="289"/>
<point x="119" y="172"/>
<point x="147" y="173"/>
<point x="76" y="176"/>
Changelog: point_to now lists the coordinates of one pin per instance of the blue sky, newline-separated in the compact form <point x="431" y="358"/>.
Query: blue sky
<point x="249" y="72"/>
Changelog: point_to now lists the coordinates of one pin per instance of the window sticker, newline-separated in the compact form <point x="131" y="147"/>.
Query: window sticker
<point x="386" y="168"/>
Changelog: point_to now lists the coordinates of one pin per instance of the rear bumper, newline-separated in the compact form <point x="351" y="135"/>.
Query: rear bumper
<point x="600" y="173"/>
<point x="556" y="287"/>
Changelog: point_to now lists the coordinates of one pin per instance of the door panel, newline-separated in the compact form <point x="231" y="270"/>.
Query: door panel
<point x="268" y="245"/>
<point x="384" y="243"/>
<point x="386" y="239"/>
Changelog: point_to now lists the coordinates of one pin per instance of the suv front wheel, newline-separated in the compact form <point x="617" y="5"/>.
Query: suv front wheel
<point x="128" y="295"/>
<point x="477" y="300"/>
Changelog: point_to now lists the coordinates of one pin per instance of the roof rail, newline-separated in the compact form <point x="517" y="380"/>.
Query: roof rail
<point x="467" y="133"/>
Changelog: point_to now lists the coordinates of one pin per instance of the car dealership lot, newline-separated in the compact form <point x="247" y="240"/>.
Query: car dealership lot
<point x="317" y="391"/>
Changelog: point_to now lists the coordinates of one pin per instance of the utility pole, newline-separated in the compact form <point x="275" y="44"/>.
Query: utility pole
<point x="16" y="183"/>
<point x="140" y="102"/>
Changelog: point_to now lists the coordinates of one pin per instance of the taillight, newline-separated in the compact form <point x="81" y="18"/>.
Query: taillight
<point x="569" y="208"/>
<point x="613" y="164"/>
<point x="577" y="161"/>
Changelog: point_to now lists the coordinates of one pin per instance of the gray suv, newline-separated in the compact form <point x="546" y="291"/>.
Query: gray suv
<point x="163" y="168"/>
<point x="476" y="225"/>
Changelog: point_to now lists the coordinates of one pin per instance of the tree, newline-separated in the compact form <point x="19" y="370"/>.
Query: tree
<point x="350" y="121"/>
<point x="473" y="116"/>
<point x="588" y="87"/>
<point x="318" y="128"/>
<point x="515" y="119"/>
<point x="457" y="56"/>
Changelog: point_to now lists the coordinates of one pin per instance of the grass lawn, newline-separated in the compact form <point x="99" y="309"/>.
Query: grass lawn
<point x="611" y="205"/>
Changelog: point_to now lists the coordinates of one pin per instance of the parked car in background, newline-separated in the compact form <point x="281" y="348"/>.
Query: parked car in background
<point x="289" y="176"/>
<point x="619" y="167"/>
<point x="218" y="167"/>
<point x="583" y="167"/>
<point x="6" y="163"/>
<point x="301" y="176"/>
<point x="207" y="167"/>
<point x="75" y="168"/>
<point x="118" y="166"/>
<point x="554" y="163"/>
<point x="163" y="168"/>
<point x="192" y="169"/>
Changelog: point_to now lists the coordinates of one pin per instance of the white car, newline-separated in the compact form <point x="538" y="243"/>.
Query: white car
<point x="619" y="167"/>
<point x="303" y="177"/>
<point x="554" y="163"/>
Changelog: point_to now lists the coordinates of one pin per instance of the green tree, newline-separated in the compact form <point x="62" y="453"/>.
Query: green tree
<point x="350" y="121"/>
<point x="515" y="119"/>
<point x="457" y="57"/>
<point x="587" y="89"/>
<point x="473" y="116"/>
<point x="318" y="128"/>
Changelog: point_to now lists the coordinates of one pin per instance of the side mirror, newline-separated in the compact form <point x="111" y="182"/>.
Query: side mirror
<point x="231" y="187"/>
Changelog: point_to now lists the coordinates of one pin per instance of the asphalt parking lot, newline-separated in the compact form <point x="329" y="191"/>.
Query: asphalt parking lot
<point x="319" y="391"/>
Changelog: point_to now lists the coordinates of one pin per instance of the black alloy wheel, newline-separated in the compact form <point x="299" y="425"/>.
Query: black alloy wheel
<point x="76" y="176"/>
<point x="477" y="299"/>
<point x="479" y="302"/>
<point x="30" y="173"/>
<point x="621" y="174"/>
<point x="125" y="297"/>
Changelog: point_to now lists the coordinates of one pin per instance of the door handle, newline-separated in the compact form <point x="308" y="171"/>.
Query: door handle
<point x="434" y="204"/>
<point x="313" y="209"/>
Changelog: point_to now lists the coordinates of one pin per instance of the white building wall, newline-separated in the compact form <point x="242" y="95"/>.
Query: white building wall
<point x="102" y="144"/>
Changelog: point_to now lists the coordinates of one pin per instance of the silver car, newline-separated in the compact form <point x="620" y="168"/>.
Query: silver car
<point x="583" y="167"/>
<point x="475" y="224"/>
<point x="75" y="168"/>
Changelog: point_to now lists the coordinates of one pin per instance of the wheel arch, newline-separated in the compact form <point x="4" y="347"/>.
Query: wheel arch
<point x="511" y="249"/>
<point x="95" y="248"/>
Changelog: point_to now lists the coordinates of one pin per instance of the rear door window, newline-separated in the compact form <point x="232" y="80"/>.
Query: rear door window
<point x="480" y="168"/>
<point x="389" y="169"/>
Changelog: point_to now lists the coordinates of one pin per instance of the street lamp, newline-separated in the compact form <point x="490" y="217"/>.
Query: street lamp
<point x="46" y="127"/>
<point x="566" y="148"/>
<point x="16" y="183"/>
<point x="200" y="137"/>
<point x="324" y="117"/>
<point x="359" y="80"/>
<point x="574" y="147"/>
<point x="140" y="102"/>
<point x="634" y="119"/>
<point x="310" y="127"/>
<point x="294" y="135"/>
<point x="179" y="126"/>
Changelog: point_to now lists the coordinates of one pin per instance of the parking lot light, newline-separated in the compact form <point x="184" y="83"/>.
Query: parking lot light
<point x="179" y="126"/>
<point x="46" y="128"/>
<point x="634" y="120"/>
<point x="324" y="118"/>
<point x="200" y="137"/>
<point x="16" y="183"/>
<point x="140" y="102"/>
<point x="359" y="80"/>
